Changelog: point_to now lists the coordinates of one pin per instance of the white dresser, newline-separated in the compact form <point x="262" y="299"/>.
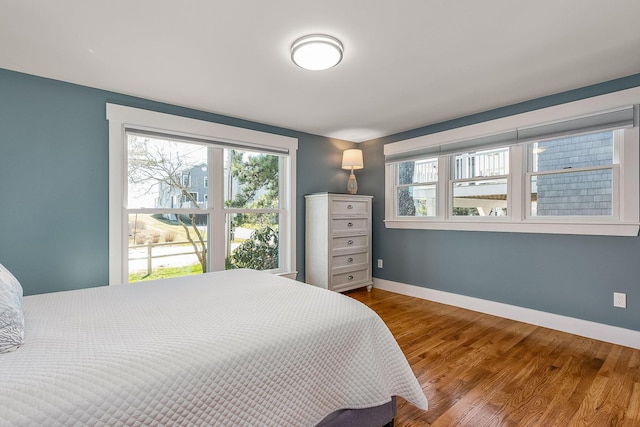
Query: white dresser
<point x="338" y="241"/>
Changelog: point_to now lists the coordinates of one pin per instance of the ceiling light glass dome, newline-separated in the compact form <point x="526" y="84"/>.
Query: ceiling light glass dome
<point x="316" y="52"/>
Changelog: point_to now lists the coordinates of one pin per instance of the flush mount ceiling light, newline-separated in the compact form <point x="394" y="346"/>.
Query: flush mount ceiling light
<point x="316" y="52"/>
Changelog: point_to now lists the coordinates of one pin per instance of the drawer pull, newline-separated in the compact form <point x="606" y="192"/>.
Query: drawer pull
<point x="350" y="259"/>
<point x="350" y="224"/>
<point x="350" y="277"/>
<point x="350" y="242"/>
<point x="349" y="206"/>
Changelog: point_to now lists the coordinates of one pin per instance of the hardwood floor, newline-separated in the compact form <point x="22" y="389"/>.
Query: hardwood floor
<point x="481" y="370"/>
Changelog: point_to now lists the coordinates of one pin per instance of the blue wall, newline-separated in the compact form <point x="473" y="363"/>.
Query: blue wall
<point x="54" y="209"/>
<point x="568" y="275"/>
<point x="54" y="172"/>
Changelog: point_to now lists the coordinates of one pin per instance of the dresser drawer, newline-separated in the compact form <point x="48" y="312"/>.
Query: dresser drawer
<point x="349" y="207"/>
<point x="338" y="241"/>
<point x="349" y="278"/>
<point x="350" y="259"/>
<point x="349" y="242"/>
<point x="349" y="225"/>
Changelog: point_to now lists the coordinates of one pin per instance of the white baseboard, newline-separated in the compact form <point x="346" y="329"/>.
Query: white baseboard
<point x="585" y="328"/>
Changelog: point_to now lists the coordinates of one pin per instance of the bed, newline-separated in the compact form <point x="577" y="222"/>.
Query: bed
<point x="237" y="348"/>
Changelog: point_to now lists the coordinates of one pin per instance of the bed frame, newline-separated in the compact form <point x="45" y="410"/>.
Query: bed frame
<point x="378" y="416"/>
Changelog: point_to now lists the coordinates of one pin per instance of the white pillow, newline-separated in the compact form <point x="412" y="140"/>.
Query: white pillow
<point x="11" y="316"/>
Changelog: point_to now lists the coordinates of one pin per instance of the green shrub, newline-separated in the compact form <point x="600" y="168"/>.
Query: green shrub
<point x="259" y="252"/>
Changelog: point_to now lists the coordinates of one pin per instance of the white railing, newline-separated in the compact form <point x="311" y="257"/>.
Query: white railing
<point x="482" y="164"/>
<point x="469" y="165"/>
<point x="425" y="171"/>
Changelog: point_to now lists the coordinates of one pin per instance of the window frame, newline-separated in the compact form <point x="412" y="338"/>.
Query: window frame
<point x="618" y="144"/>
<point x="452" y="180"/>
<point x="625" y="222"/>
<point x="120" y="118"/>
<point x="188" y="181"/>
<point x="420" y="184"/>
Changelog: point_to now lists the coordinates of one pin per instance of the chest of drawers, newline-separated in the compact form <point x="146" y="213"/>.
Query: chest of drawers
<point x="338" y="241"/>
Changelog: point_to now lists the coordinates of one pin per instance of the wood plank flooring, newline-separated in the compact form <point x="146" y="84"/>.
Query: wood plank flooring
<point x="481" y="370"/>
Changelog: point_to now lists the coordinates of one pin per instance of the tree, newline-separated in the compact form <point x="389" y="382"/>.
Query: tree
<point x="159" y="167"/>
<point x="258" y="182"/>
<point x="260" y="252"/>
<point x="406" y="206"/>
<point x="257" y="178"/>
<point x="153" y="165"/>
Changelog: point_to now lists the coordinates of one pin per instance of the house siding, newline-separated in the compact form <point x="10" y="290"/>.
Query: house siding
<point x="576" y="194"/>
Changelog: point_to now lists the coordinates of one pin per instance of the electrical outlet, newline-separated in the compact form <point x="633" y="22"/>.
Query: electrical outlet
<point x="619" y="300"/>
<point x="379" y="263"/>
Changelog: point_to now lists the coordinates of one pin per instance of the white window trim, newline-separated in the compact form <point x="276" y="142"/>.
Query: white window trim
<point x="120" y="117"/>
<point x="626" y="223"/>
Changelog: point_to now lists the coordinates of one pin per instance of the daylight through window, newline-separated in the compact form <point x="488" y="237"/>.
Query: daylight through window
<point x="575" y="175"/>
<point x="193" y="204"/>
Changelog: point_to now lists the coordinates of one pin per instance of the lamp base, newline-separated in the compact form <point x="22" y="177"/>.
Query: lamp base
<point x="352" y="184"/>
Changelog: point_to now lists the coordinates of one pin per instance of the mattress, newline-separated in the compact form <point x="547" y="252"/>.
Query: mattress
<point x="237" y="348"/>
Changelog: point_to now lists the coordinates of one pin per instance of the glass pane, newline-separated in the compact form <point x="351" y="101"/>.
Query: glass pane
<point x="252" y="180"/>
<point x="588" y="193"/>
<point x="593" y="149"/>
<point x="480" y="198"/>
<point x="165" y="174"/>
<point x="494" y="162"/>
<point x="252" y="241"/>
<point x="163" y="246"/>
<point x="419" y="200"/>
<point x="418" y="171"/>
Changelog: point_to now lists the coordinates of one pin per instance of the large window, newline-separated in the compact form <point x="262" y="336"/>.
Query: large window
<point x="188" y="196"/>
<point x="568" y="169"/>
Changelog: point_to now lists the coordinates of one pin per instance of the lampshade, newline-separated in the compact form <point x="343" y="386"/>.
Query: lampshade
<point x="316" y="52"/>
<point x="352" y="159"/>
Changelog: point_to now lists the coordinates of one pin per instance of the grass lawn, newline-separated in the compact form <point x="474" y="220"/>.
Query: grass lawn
<point x="148" y="225"/>
<point x="166" y="272"/>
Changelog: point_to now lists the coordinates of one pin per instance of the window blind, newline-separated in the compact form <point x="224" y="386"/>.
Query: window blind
<point x="236" y="145"/>
<point x="484" y="142"/>
<point x="607" y="120"/>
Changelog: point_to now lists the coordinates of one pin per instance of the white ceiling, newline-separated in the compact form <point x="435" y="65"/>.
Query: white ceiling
<point x="407" y="63"/>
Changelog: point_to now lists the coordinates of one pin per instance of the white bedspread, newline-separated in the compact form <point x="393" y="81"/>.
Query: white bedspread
<point x="237" y="348"/>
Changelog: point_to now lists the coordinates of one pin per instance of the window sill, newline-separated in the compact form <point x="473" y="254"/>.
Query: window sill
<point x="594" y="229"/>
<point x="290" y="274"/>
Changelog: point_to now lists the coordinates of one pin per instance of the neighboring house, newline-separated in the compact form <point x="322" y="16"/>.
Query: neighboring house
<point x="581" y="193"/>
<point x="194" y="181"/>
